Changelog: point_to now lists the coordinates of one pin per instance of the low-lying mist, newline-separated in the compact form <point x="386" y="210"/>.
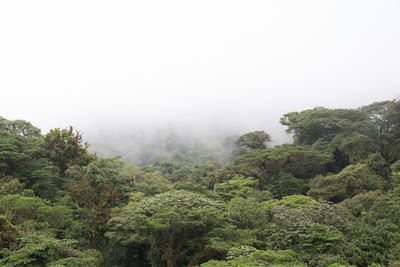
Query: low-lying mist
<point x="142" y="142"/>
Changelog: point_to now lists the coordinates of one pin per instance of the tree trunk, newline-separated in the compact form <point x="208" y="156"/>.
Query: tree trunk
<point x="170" y="263"/>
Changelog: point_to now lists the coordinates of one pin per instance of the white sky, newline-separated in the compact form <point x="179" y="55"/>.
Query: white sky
<point x="235" y="62"/>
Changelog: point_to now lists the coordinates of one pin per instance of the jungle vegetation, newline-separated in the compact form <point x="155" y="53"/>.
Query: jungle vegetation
<point x="329" y="198"/>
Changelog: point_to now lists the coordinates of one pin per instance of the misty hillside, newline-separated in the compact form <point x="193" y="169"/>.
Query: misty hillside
<point x="329" y="198"/>
<point x="193" y="144"/>
<point x="165" y="144"/>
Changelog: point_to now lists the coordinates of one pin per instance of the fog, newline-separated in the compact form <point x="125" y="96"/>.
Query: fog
<point x="120" y="68"/>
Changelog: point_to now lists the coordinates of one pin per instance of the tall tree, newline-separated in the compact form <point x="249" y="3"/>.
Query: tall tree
<point x="250" y="141"/>
<point x="66" y="148"/>
<point x="95" y="188"/>
<point x="179" y="228"/>
<point x="266" y="165"/>
<point x="19" y="127"/>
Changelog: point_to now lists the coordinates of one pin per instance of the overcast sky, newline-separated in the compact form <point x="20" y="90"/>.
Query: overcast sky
<point x="232" y="62"/>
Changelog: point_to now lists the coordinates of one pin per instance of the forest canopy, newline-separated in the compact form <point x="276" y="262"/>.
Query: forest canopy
<point x="329" y="198"/>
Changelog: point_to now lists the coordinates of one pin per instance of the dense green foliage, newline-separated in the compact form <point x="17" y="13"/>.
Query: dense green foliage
<point x="330" y="198"/>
